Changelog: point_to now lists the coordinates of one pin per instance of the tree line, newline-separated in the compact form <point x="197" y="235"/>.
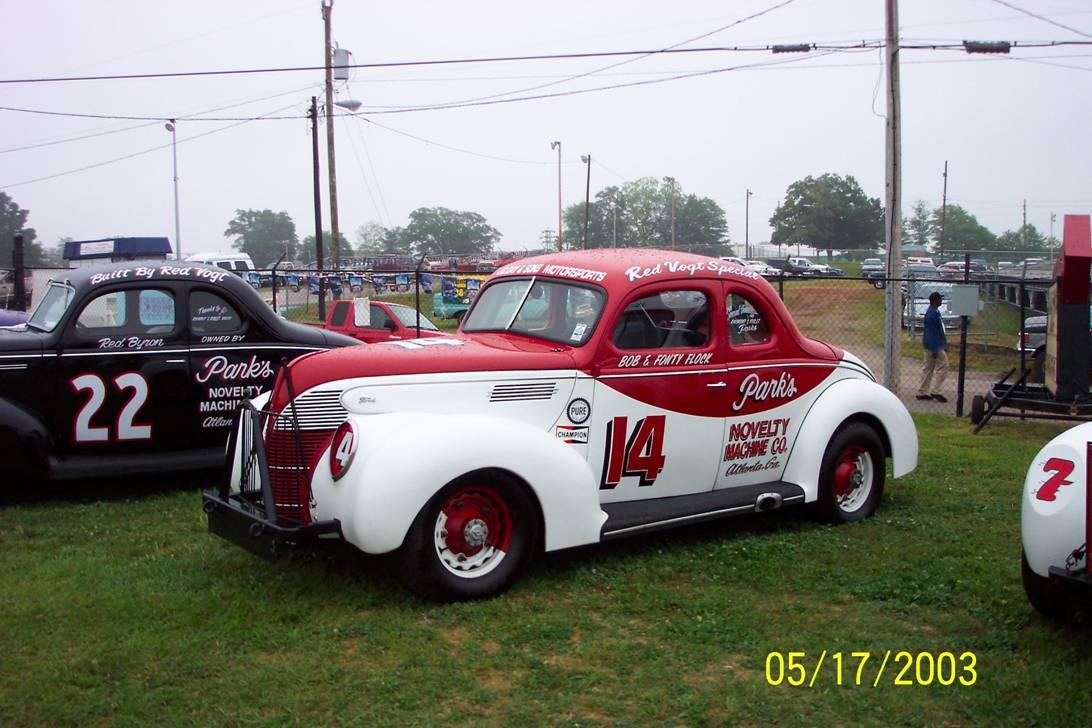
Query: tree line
<point x="829" y="212"/>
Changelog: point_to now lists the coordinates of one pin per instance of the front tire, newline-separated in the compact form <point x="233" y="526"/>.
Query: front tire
<point x="1041" y="592"/>
<point x="879" y="285"/>
<point x="471" y="540"/>
<point x="852" y="474"/>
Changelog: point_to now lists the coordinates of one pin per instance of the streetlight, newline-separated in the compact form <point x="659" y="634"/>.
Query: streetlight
<point x="560" y="234"/>
<point x="671" y="181"/>
<point x="169" y="126"/>
<point x="586" y="159"/>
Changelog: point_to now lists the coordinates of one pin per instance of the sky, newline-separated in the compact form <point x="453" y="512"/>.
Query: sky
<point x="1011" y="127"/>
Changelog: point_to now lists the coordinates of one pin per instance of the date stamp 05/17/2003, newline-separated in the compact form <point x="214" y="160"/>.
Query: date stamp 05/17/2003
<point x="900" y="668"/>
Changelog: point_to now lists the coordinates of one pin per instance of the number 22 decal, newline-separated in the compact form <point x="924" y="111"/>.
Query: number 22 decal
<point x="641" y="455"/>
<point x="126" y="428"/>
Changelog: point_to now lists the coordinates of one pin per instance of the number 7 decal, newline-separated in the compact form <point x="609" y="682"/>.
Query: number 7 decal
<point x="641" y="455"/>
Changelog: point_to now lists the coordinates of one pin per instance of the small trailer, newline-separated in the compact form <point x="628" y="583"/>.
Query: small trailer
<point x="1064" y="394"/>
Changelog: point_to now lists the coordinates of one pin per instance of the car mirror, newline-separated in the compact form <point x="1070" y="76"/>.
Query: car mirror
<point x="390" y="325"/>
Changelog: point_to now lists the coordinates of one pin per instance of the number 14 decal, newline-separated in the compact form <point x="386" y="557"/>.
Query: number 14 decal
<point x="642" y="454"/>
<point x="126" y="428"/>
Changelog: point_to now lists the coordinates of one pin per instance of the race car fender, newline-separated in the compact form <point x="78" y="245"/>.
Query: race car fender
<point x="397" y="469"/>
<point x="1052" y="517"/>
<point x="842" y="401"/>
<point x="24" y="440"/>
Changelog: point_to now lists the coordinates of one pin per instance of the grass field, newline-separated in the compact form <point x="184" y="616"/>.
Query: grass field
<point x="120" y="609"/>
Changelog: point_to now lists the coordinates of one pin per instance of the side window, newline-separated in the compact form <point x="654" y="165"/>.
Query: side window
<point x="225" y="264"/>
<point x="103" y="312"/>
<point x="211" y="314"/>
<point x="665" y="320"/>
<point x="379" y="318"/>
<point x="156" y="310"/>
<point x="341" y="312"/>
<point x="745" y="323"/>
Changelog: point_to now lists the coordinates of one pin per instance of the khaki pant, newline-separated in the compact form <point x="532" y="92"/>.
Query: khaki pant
<point x="933" y="364"/>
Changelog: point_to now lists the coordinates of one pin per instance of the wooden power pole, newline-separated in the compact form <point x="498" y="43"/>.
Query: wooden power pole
<point x="892" y="350"/>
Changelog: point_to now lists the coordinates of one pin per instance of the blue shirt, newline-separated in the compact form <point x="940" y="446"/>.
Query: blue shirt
<point x="933" y="338"/>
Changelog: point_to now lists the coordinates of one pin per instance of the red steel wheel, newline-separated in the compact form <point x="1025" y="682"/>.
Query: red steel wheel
<point x="852" y="474"/>
<point x="473" y="531"/>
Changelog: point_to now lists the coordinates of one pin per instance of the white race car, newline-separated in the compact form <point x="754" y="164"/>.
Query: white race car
<point x="1055" y="524"/>
<point x="588" y="396"/>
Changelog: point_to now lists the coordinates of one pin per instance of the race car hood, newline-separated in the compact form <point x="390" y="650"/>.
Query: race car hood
<point x="469" y="353"/>
<point x="20" y="339"/>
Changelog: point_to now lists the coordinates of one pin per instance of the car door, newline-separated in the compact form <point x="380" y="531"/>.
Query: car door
<point x="771" y="383"/>
<point x="659" y="403"/>
<point x="124" y="373"/>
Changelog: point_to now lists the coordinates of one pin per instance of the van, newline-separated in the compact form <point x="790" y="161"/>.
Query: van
<point x="238" y="263"/>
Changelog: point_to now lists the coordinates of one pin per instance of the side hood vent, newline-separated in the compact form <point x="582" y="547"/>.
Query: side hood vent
<point x="523" y="391"/>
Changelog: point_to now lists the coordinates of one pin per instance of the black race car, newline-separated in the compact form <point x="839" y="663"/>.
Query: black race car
<point x="138" y="368"/>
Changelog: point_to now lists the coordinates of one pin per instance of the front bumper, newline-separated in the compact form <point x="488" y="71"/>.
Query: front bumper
<point x="244" y="524"/>
<point x="1076" y="585"/>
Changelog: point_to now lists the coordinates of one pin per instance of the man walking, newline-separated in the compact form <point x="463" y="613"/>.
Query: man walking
<point x="935" y="343"/>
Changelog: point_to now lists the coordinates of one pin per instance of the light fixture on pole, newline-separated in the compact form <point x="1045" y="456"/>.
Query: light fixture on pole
<point x="671" y="181"/>
<point x="560" y="234"/>
<point x="747" y="225"/>
<point x="169" y="126"/>
<point x="586" y="159"/>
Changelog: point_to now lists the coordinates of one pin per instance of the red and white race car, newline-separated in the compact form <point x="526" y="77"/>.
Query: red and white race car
<point x="589" y="396"/>
<point x="1056" y="521"/>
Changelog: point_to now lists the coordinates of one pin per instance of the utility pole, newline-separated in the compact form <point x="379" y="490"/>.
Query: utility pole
<point x="327" y="11"/>
<point x="560" y="230"/>
<point x="1024" y="227"/>
<point x="892" y="350"/>
<point x="1053" y="217"/>
<point x="943" y="207"/>
<point x="312" y="114"/>
<point x="671" y="181"/>
<point x="747" y="225"/>
<point x="586" y="159"/>
<point x="171" y="126"/>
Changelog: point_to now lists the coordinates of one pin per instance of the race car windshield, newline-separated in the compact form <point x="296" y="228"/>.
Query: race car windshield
<point x="47" y="314"/>
<point x="408" y="317"/>
<point x="545" y="309"/>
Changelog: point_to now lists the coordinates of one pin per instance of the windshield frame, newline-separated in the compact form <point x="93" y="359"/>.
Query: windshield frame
<point x="32" y="323"/>
<point x="532" y="280"/>
<point x="410" y="320"/>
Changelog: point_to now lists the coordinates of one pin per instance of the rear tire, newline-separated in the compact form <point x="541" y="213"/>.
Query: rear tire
<point x="879" y="285"/>
<point x="1041" y="592"/>
<point x="471" y="540"/>
<point x="852" y="474"/>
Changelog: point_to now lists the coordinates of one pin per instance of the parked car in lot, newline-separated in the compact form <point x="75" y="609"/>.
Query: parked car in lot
<point x="791" y="266"/>
<point x="870" y="265"/>
<point x="733" y="259"/>
<point x="384" y="322"/>
<point x="822" y="269"/>
<point x="917" y="303"/>
<point x="1056" y="527"/>
<point x="137" y="368"/>
<point x="762" y="268"/>
<point x="7" y="287"/>
<point x="588" y="396"/>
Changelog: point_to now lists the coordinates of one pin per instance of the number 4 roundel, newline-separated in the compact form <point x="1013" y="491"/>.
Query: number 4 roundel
<point x="342" y="449"/>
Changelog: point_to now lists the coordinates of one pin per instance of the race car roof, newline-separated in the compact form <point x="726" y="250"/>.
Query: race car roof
<point x="625" y="267"/>
<point x="89" y="277"/>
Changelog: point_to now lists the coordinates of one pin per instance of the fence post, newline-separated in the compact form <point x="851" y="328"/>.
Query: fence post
<point x="781" y="283"/>
<point x="963" y="343"/>
<point x="19" y="272"/>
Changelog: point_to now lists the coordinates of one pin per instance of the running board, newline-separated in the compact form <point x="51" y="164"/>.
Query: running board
<point x="626" y="518"/>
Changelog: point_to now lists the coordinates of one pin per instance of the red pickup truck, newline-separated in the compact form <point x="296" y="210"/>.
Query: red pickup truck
<point x="387" y="322"/>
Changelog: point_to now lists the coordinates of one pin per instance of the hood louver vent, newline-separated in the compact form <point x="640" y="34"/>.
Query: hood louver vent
<point x="523" y="392"/>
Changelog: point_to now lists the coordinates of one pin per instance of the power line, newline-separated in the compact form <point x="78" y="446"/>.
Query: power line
<point x="1043" y="18"/>
<point x="431" y="142"/>
<point x="514" y="59"/>
<point x="134" y="154"/>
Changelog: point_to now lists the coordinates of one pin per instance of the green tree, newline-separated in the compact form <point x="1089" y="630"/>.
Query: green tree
<point x="1026" y="237"/>
<point x="440" y="231"/>
<point x="917" y="228"/>
<point x="830" y="213"/>
<point x="264" y="235"/>
<point x="962" y="231"/>
<point x="372" y="239"/>
<point x="639" y="215"/>
<point x="13" y="220"/>
<point x="307" y="248"/>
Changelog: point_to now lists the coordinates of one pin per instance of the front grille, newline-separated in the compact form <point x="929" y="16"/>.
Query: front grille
<point x="287" y="475"/>
<point x="317" y="410"/>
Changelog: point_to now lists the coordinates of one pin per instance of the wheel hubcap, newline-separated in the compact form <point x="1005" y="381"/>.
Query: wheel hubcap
<point x="853" y="478"/>
<point x="473" y="531"/>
